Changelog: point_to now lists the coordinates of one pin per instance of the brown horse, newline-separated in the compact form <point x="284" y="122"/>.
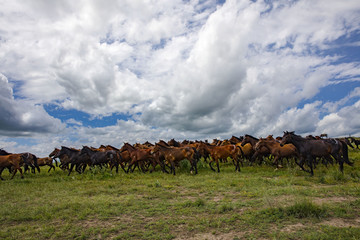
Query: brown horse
<point x="271" y="146"/>
<point x="47" y="161"/>
<point x="219" y="153"/>
<point x="15" y="161"/>
<point x="139" y="158"/>
<point x="64" y="159"/>
<point x="174" y="155"/>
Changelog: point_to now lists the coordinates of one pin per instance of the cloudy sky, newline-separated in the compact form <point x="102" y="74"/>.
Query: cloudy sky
<point x="106" y="72"/>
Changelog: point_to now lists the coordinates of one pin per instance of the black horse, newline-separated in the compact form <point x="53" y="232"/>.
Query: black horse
<point x="100" y="158"/>
<point x="310" y="149"/>
<point x="76" y="159"/>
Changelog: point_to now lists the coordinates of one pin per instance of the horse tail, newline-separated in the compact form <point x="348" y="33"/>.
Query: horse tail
<point x="197" y="155"/>
<point x="345" y="153"/>
<point x="56" y="163"/>
<point x="242" y="152"/>
<point x="36" y="163"/>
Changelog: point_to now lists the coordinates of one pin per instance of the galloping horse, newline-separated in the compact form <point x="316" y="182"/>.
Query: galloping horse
<point x="271" y="146"/>
<point x="218" y="153"/>
<point x="102" y="157"/>
<point x="64" y="159"/>
<point x="173" y="155"/>
<point x="249" y="139"/>
<point x="75" y="159"/>
<point x="47" y="161"/>
<point x="15" y="161"/>
<point x="139" y="157"/>
<point x="310" y="149"/>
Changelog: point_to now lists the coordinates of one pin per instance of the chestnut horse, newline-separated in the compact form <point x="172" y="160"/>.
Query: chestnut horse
<point x="47" y="161"/>
<point x="218" y="153"/>
<point x="15" y="161"/>
<point x="139" y="158"/>
<point x="271" y="146"/>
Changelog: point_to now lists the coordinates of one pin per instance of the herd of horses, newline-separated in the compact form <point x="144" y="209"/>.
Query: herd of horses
<point x="306" y="152"/>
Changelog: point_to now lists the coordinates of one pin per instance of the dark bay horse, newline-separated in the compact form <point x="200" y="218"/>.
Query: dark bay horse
<point x="103" y="157"/>
<point x="64" y="159"/>
<point x="174" y="155"/>
<point x="76" y="160"/>
<point x="310" y="149"/>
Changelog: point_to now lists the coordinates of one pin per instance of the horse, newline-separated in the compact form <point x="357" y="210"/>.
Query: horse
<point x="249" y="139"/>
<point x="173" y="155"/>
<point x="76" y="160"/>
<point x="355" y="141"/>
<point x="310" y="149"/>
<point x="271" y="146"/>
<point x="139" y="158"/>
<point x="64" y="159"/>
<point x="235" y="140"/>
<point x="15" y="161"/>
<point x="102" y="157"/>
<point x="218" y="153"/>
<point x="173" y="143"/>
<point x="3" y="152"/>
<point x="47" y="161"/>
<point x="347" y="141"/>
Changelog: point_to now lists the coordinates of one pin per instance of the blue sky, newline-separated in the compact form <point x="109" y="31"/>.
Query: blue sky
<point x="82" y="73"/>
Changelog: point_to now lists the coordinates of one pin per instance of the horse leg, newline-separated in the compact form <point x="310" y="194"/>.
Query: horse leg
<point x="310" y="163"/>
<point x="340" y="160"/>
<point x="173" y="167"/>
<point x="195" y="165"/>
<point x="71" y="168"/>
<point x="16" y="169"/>
<point x="217" y="164"/>
<point x="210" y="162"/>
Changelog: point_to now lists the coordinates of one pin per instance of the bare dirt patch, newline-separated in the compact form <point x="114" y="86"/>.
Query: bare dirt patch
<point x="339" y="222"/>
<point x="210" y="236"/>
<point x="293" y="227"/>
<point x="333" y="199"/>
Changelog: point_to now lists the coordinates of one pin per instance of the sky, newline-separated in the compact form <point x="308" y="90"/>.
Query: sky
<point x="90" y="72"/>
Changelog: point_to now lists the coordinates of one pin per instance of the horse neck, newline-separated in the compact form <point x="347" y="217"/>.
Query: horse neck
<point x="129" y="147"/>
<point x="298" y="141"/>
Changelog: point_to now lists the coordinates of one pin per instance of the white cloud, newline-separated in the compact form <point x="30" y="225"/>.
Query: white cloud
<point x="183" y="68"/>
<point x="19" y="117"/>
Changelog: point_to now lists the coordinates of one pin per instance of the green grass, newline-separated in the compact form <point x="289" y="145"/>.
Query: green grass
<point x="258" y="202"/>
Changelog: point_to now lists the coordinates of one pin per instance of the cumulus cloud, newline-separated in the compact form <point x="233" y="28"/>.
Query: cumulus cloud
<point x="19" y="117"/>
<point x="191" y="68"/>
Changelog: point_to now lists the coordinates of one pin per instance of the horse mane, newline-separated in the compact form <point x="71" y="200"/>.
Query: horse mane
<point x="129" y="145"/>
<point x="163" y="143"/>
<point x="3" y="152"/>
<point x="71" y="149"/>
<point x="247" y="135"/>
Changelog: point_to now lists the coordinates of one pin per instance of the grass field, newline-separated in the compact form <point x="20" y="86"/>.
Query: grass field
<point x="257" y="203"/>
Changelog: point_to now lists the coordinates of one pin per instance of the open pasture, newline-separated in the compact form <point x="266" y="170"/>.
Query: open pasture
<point x="260" y="202"/>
